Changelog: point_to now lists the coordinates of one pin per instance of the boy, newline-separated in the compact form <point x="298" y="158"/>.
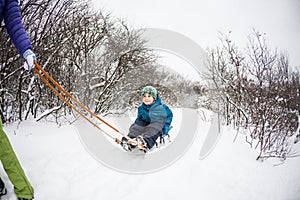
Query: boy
<point x="153" y="120"/>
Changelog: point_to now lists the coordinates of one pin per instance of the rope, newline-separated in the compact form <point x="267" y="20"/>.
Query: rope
<point x="38" y="68"/>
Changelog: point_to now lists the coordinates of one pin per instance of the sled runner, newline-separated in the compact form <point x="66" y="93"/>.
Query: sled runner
<point x="138" y="143"/>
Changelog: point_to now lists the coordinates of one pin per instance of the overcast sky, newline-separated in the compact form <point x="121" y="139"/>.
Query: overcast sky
<point x="201" y="20"/>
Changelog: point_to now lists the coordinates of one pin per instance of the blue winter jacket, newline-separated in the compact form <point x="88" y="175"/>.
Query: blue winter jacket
<point x="10" y="12"/>
<point x="156" y="112"/>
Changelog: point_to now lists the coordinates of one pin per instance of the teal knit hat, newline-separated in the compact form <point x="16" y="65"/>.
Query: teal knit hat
<point x="150" y="90"/>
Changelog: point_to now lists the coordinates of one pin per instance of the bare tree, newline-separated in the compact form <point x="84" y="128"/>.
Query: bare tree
<point x="257" y="93"/>
<point x="85" y="51"/>
<point x="274" y="122"/>
<point x="125" y="50"/>
<point x="228" y="77"/>
<point x="64" y="32"/>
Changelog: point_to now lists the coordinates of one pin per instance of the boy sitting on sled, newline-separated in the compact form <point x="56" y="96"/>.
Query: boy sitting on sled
<point x="153" y="120"/>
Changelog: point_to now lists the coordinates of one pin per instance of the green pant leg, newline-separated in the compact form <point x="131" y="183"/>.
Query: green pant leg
<point x="22" y="187"/>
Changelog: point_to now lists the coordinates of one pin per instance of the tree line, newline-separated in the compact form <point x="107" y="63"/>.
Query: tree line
<point x="256" y="91"/>
<point x="91" y="54"/>
<point x="87" y="52"/>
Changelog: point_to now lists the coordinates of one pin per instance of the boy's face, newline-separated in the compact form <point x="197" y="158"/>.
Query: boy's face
<point x="148" y="99"/>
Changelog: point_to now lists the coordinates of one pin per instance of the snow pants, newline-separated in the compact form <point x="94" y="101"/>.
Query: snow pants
<point x="11" y="165"/>
<point x="150" y="132"/>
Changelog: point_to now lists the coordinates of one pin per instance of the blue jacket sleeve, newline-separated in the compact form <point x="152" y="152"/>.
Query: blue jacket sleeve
<point x="14" y="26"/>
<point x="169" y="119"/>
<point x="169" y="115"/>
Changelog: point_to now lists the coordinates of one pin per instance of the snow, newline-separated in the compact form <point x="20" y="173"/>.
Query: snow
<point x="60" y="168"/>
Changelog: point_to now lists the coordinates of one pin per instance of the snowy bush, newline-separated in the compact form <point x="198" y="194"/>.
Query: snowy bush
<point x="257" y="91"/>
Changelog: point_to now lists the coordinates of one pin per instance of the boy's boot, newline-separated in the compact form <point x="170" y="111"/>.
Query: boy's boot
<point x="128" y="144"/>
<point x="142" y="144"/>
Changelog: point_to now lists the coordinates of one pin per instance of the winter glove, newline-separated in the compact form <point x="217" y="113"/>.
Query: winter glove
<point x="166" y="130"/>
<point x="29" y="59"/>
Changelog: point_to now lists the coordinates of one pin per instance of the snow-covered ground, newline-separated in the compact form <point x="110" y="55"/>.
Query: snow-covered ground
<point x="60" y="168"/>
